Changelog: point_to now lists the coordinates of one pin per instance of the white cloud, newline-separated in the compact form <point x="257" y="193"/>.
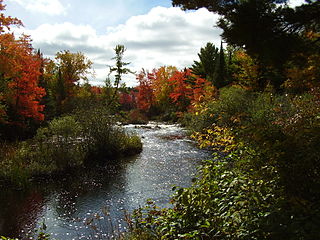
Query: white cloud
<point x="164" y="36"/>
<point x="294" y="3"/>
<point x="51" y="7"/>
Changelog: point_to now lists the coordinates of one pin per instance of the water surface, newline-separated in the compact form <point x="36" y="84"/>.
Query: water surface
<point x="90" y="204"/>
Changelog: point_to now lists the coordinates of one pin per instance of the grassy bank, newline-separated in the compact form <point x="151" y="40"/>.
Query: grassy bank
<point x="263" y="184"/>
<point x="70" y="141"/>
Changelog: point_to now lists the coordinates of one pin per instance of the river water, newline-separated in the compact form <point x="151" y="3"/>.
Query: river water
<point x="90" y="204"/>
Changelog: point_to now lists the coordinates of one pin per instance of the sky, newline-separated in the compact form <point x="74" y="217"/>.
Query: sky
<point x="154" y="33"/>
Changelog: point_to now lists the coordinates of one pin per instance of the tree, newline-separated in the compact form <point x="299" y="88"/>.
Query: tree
<point x="145" y="96"/>
<point x="246" y="70"/>
<point x="188" y="89"/>
<point x="212" y="65"/>
<point x="6" y="22"/>
<point x="20" y="72"/>
<point x="74" y="67"/>
<point x="25" y="94"/>
<point x="181" y="89"/>
<point x="162" y="87"/>
<point x="205" y="68"/>
<point x="119" y="69"/>
<point x="220" y="70"/>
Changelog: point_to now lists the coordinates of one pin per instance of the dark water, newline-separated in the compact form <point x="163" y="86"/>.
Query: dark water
<point x="90" y="204"/>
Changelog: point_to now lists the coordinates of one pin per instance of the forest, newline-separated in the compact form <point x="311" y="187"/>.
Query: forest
<point x="254" y="101"/>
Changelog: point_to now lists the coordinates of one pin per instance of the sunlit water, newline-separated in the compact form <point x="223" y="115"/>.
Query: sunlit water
<point x="90" y="204"/>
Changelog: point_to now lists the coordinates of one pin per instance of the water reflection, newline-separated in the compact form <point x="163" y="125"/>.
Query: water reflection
<point x="89" y="204"/>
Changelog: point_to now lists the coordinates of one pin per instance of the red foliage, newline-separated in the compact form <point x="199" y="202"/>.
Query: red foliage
<point x="24" y="94"/>
<point x="127" y="100"/>
<point x="96" y="90"/>
<point x="21" y="69"/>
<point x="145" y="96"/>
<point x="181" y="90"/>
<point x="187" y="88"/>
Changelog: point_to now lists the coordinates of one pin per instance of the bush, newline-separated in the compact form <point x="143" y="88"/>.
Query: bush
<point x="136" y="117"/>
<point x="103" y="139"/>
<point x="54" y="148"/>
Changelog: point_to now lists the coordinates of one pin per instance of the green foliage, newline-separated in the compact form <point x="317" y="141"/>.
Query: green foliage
<point x="39" y="235"/>
<point x="282" y="128"/>
<point x="102" y="138"/>
<point x="273" y="146"/>
<point x="212" y="65"/>
<point x="223" y="204"/>
<point x="54" y="148"/>
<point x="205" y="68"/>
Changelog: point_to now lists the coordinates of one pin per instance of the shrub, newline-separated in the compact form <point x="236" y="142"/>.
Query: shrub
<point x="103" y="139"/>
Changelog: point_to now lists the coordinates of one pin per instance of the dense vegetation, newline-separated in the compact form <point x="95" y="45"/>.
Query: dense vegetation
<point x="255" y="103"/>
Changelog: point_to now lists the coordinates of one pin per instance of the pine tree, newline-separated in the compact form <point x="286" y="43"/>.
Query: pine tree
<point x="205" y="68"/>
<point x="220" y="73"/>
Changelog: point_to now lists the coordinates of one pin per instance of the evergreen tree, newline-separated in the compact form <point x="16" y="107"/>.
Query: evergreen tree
<point x="220" y="78"/>
<point x="205" y="68"/>
<point x="61" y="94"/>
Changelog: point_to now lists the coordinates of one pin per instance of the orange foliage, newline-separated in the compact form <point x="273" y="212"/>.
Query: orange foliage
<point x="247" y="73"/>
<point x="187" y="88"/>
<point x="161" y="86"/>
<point x="96" y="90"/>
<point x="5" y="21"/>
<point x="20" y="71"/>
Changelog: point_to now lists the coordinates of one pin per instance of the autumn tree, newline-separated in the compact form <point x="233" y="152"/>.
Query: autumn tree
<point x="127" y="100"/>
<point x="7" y="21"/>
<point x="162" y="87"/>
<point x="20" y="96"/>
<point x="145" y="96"/>
<point x="246" y="70"/>
<point x="74" y="67"/>
<point x="181" y="89"/>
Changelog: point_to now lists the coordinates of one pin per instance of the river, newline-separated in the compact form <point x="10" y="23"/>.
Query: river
<point x="90" y="203"/>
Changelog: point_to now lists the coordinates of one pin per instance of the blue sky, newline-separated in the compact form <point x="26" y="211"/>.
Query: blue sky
<point x="154" y="33"/>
